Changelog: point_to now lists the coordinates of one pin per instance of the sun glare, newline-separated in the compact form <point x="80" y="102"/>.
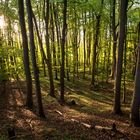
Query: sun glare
<point x="2" y="22"/>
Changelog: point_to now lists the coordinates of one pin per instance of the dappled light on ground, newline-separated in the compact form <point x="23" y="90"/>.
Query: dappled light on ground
<point x="91" y="107"/>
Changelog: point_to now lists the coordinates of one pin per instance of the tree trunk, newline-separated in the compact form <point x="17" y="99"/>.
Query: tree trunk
<point x="48" y="50"/>
<point x="98" y="18"/>
<point x="33" y="56"/>
<point x="57" y="26"/>
<point x="84" y="40"/>
<point x="54" y="47"/>
<point x="135" y="118"/>
<point x="67" y="63"/>
<point x="117" y="91"/>
<point x="114" y="39"/>
<point x="63" y="51"/>
<point x="29" y="100"/>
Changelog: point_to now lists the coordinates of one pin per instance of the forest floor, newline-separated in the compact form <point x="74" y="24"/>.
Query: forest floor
<point x="65" y="122"/>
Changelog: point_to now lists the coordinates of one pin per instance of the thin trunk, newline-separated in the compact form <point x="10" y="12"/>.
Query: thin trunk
<point x="54" y="47"/>
<point x="33" y="56"/>
<point x="48" y="50"/>
<point x="84" y="40"/>
<point x="44" y="59"/>
<point x="97" y="32"/>
<point x="114" y="39"/>
<point x="57" y="26"/>
<point x="67" y="62"/>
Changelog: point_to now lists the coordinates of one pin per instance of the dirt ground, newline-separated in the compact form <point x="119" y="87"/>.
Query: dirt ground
<point x="58" y="124"/>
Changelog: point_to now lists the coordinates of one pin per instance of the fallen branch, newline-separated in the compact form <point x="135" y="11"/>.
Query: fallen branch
<point x="59" y="112"/>
<point x="113" y="128"/>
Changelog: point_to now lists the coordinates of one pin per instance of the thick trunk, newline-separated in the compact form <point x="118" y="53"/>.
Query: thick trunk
<point x="29" y="100"/>
<point x="63" y="51"/>
<point x="123" y="15"/>
<point x="135" y="118"/>
<point x="33" y="56"/>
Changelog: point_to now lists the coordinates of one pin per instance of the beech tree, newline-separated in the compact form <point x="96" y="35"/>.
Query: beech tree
<point x="114" y="27"/>
<point x="76" y="40"/>
<point x="122" y="35"/>
<point x="62" y="71"/>
<point x="33" y="55"/>
<point x="49" y="63"/>
<point x="29" y="100"/>
<point x="98" y="20"/>
<point x="135" y="117"/>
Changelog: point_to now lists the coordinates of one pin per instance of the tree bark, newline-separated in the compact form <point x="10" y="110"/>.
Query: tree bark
<point x="135" y="117"/>
<point x="84" y="40"/>
<point x="98" y="18"/>
<point x="29" y="100"/>
<point x="33" y="56"/>
<point x="54" y="47"/>
<point x="48" y="50"/>
<point x="122" y="30"/>
<point x="114" y="39"/>
<point x="63" y="51"/>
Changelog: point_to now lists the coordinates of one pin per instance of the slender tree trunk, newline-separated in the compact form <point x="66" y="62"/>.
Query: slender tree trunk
<point x="84" y="40"/>
<point x="33" y="56"/>
<point x="44" y="58"/>
<point x="117" y="91"/>
<point x="114" y="39"/>
<point x="89" y="49"/>
<point x="98" y="19"/>
<point x="108" y="57"/>
<point x="58" y="34"/>
<point x="135" y="117"/>
<point x="63" y="51"/>
<point x="67" y="62"/>
<point x="29" y="100"/>
<point x="48" y="50"/>
<point x="40" y="32"/>
<point x="54" y="47"/>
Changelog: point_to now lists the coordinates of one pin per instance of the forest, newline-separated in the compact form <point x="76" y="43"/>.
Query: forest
<point x="69" y="69"/>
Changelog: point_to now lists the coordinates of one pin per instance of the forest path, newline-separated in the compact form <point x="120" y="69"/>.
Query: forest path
<point x="28" y="126"/>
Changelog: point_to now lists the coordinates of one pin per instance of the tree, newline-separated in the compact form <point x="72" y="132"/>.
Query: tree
<point x="98" y="20"/>
<point x="29" y="100"/>
<point x="48" y="49"/>
<point x="63" y="51"/>
<point x="122" y="35"/>
<point x="114" y="38"/>
<point x="135" y="117"/>
<point x="33" y="55"/>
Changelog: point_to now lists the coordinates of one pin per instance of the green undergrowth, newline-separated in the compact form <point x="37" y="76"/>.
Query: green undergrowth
<point x="88" y="100"/>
